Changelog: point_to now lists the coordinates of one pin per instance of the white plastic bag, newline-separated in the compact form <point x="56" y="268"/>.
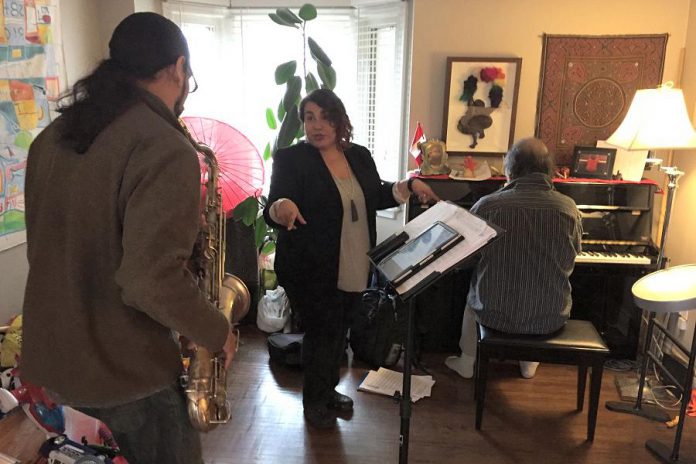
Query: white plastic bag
<point x="273" y="311"/>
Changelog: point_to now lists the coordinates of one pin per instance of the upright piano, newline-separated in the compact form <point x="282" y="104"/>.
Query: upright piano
<point x="617" y="249"/>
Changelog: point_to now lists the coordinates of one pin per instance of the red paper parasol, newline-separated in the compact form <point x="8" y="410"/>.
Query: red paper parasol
<point x="241" y="166"/>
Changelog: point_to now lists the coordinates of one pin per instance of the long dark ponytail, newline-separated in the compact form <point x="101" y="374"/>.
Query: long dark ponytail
<point x="94" y="102"/>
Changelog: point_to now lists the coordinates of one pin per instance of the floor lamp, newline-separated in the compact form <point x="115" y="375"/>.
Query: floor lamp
<point x="656" y="120"/>
<point x="667" y="291"/>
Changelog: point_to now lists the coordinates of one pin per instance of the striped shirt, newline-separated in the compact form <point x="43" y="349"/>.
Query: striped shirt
<point x="521" y="281"/>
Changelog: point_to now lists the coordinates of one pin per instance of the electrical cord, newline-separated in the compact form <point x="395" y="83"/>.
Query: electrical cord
<point x="675" y="406"/>
<point x="667" y="389"/>
<point x="620" y="365"/>
<point x="659" y="344"/>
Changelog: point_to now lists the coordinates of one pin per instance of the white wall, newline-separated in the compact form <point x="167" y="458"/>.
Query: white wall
<point x="681" y="246"/>
<point x="82" y="52"/>
<point x="13" y="274"/>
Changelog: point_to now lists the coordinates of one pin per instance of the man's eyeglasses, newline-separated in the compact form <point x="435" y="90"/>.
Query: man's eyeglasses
<point x="192" y="84"/>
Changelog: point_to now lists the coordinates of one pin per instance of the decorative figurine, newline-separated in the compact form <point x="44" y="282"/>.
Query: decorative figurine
<point x="434" y="158"/>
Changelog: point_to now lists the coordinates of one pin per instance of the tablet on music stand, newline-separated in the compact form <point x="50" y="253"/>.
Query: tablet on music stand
<point x="413" y="255"/>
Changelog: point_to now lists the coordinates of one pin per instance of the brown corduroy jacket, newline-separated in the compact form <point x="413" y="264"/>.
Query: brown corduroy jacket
<point x="109" y="234"/>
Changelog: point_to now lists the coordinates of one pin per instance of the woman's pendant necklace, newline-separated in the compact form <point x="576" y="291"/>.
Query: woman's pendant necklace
<point x="353" y="210"/>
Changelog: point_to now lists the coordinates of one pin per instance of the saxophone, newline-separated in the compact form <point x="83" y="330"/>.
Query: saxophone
<point x="206" y="389"/>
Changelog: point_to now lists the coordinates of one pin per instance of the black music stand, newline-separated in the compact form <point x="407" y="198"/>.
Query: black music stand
<point x="405" y="400"/>
<point x="420" y="278"/>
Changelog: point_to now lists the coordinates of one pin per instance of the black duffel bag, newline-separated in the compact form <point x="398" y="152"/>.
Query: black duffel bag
<point x="286" y="349"/>
<point x="378" y="331"/>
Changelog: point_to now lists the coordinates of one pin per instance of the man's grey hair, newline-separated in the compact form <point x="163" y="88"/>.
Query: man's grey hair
<point x="528" y="156"/>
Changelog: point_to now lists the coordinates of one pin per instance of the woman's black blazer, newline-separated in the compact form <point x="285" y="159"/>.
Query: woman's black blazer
<point x="310" y="253"/>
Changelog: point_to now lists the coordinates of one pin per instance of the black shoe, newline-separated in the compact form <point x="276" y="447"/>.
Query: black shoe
<point x="320" y="417"/>
<point x="340" y="402"/>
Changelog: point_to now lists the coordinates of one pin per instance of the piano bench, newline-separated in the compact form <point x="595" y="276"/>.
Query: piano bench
<point x="578" y="343"/>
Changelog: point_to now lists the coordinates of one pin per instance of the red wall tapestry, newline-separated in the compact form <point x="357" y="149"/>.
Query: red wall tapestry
<point x="587" y="84"/>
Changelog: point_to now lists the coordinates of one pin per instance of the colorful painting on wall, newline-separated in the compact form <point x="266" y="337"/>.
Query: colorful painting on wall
<point x="31" y="74"/>
<point x="587" y="84"/>
<point x="480" y="105"/>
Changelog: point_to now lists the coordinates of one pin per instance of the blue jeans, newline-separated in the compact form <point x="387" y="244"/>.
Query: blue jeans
<point x="153" y="430"/>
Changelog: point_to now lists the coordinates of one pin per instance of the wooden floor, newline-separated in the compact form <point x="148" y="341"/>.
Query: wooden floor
<point x="525" y="421"/>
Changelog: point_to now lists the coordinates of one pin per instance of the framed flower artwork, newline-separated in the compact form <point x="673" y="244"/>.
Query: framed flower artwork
<point x="480" y="105"/>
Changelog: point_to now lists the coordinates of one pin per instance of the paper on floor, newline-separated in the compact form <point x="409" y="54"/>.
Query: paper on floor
<point x="388" y="382"/>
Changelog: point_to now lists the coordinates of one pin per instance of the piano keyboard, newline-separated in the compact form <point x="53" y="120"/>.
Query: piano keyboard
<point x="611" y="258"/>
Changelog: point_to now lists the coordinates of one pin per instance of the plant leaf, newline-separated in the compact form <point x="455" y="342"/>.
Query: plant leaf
<point x="285" y="71"/>
<point x="300" y="132"/>
<point x="317" y="52"/>
<point x="308" y="12"/>
<point x="289" y="128"/>
<point x="281" y="111"/>
<point x="278" y="20"/>
<point x="311" y="83"/>
<point x="259" y="231"/>
<point x="327" y="74"/>
<point x="287" y="15"/>
<point x="270" y="119"/>
<point x="267" y="152"/>
<point x="292" y="92"/>
<point x="268" y="247"/>
<point x="246" y="211"/>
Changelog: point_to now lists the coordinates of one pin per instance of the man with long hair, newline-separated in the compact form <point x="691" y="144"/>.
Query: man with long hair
<point x="112" y="199"/>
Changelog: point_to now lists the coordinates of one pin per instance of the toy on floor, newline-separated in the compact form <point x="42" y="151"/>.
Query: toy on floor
<point x="70" y="434"/>
<point x="62" y="450"/>
<point x="41" y="410"/>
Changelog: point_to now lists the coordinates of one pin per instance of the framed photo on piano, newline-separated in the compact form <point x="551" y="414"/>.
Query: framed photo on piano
<point x="593" y="162"/>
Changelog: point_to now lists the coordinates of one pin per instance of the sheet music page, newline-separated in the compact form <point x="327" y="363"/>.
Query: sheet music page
<point x="388" y="382"/>
<point x="476" y="233"/>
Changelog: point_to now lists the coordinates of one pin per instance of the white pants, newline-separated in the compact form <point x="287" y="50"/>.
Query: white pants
<point x="469" y="337"/>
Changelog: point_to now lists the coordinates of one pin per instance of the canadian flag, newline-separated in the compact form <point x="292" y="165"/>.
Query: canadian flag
<point x="418" y="137"/>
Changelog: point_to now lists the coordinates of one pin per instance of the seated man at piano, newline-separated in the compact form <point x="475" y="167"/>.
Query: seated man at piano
<point x="521" y="282"/>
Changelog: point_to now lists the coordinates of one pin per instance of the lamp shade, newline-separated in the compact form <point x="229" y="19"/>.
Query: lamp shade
<point x="656" y="119"/>
<point x="668" y="290"/>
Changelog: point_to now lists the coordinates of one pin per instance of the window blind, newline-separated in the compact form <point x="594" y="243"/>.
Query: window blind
<point x="235" y="52"/>
<point x="380" y="84"/>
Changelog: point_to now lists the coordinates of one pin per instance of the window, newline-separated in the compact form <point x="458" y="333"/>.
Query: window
<point x="380" y="85"/>
<point x="234" y="53"/>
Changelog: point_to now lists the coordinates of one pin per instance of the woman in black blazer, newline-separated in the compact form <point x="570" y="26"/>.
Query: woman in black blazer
<point x="323" y="199"/>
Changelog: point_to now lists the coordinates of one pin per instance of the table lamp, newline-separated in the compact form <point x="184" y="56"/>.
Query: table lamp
<point x="667" y="291"/>
<point x="656" y="120"/>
